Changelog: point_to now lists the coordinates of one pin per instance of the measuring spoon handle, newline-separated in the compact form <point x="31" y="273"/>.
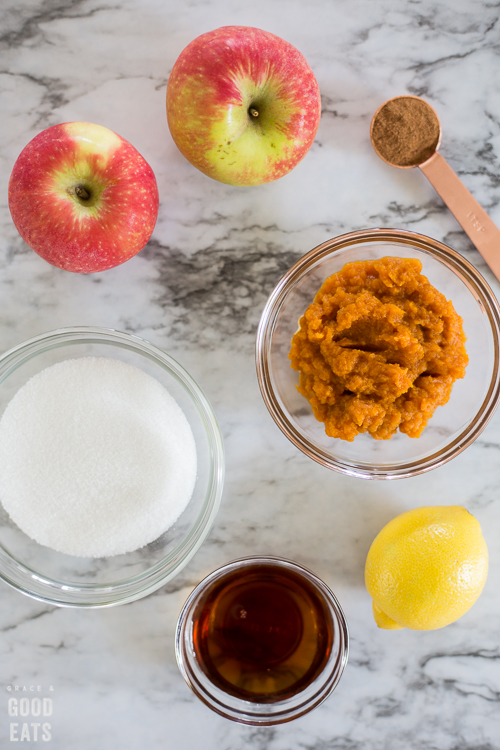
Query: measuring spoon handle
<point x="472" y="218"/>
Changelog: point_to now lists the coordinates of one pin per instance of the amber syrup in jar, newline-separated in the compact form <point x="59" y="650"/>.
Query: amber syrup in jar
<point x="262" y="634"/>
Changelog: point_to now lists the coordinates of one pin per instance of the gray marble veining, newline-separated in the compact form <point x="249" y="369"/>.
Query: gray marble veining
<point x="197" y="290"/>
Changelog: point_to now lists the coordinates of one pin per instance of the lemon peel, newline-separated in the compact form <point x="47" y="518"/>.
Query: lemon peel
<point x="383" y="621"/>
<point x="426" y="568"/>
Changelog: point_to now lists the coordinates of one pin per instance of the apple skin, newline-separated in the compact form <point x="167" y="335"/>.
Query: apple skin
<point x="79" y="234"/>
<point x="215" y="81"/>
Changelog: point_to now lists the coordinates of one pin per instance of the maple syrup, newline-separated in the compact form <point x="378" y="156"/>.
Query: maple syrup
<point x="262" y="634"/>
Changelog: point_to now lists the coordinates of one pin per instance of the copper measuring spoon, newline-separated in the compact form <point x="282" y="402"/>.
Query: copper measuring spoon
<point x="406" y="133"/>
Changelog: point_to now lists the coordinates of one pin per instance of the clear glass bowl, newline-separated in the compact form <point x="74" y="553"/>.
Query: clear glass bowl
<point x="245" y="711"/>
<point x="453" y="427"/>
<point x="65" y="580"/>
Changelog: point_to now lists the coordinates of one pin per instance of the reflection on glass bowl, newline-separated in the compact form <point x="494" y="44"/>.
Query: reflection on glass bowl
<point x="65" y="580"/>
<point x="453" y="427"/>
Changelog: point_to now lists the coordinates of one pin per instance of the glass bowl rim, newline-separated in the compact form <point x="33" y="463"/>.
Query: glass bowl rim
<point x="88" y="595"/>
<point x="284" y="711"/>
<point x="453" y="260"/>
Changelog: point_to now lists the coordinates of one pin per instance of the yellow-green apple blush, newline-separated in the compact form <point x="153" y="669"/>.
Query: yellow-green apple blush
<point x="243" y="105"/>
<point x="83" y="197"/>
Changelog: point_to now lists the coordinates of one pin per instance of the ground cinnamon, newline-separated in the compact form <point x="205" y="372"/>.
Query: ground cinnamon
<point x="405" y="131"/>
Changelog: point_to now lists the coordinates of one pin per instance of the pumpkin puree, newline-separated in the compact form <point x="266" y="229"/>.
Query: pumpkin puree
<point x="378" y="350"/>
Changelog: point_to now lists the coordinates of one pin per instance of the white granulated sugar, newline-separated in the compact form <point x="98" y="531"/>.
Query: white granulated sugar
<point x="96" y="458"/>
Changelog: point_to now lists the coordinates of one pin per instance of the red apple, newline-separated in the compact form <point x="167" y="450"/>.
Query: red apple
<point x="82" y="197"/>
<point x="243" y="105"/>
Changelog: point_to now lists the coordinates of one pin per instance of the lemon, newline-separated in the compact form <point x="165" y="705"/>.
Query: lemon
<point x="426" y="568"/>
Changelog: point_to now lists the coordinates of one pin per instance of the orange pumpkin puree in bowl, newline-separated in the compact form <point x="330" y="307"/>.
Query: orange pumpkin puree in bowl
<point x="378" y="350"/>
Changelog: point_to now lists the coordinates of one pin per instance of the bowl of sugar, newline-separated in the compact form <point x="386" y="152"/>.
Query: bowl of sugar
<point x="111" y="467"/>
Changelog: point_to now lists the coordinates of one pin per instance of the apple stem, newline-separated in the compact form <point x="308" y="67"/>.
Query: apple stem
<point x="83" y="194"/>
<point x="254" y="112"/>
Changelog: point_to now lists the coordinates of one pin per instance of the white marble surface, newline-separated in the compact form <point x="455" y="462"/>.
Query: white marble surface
<point x="197" y="291"/>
